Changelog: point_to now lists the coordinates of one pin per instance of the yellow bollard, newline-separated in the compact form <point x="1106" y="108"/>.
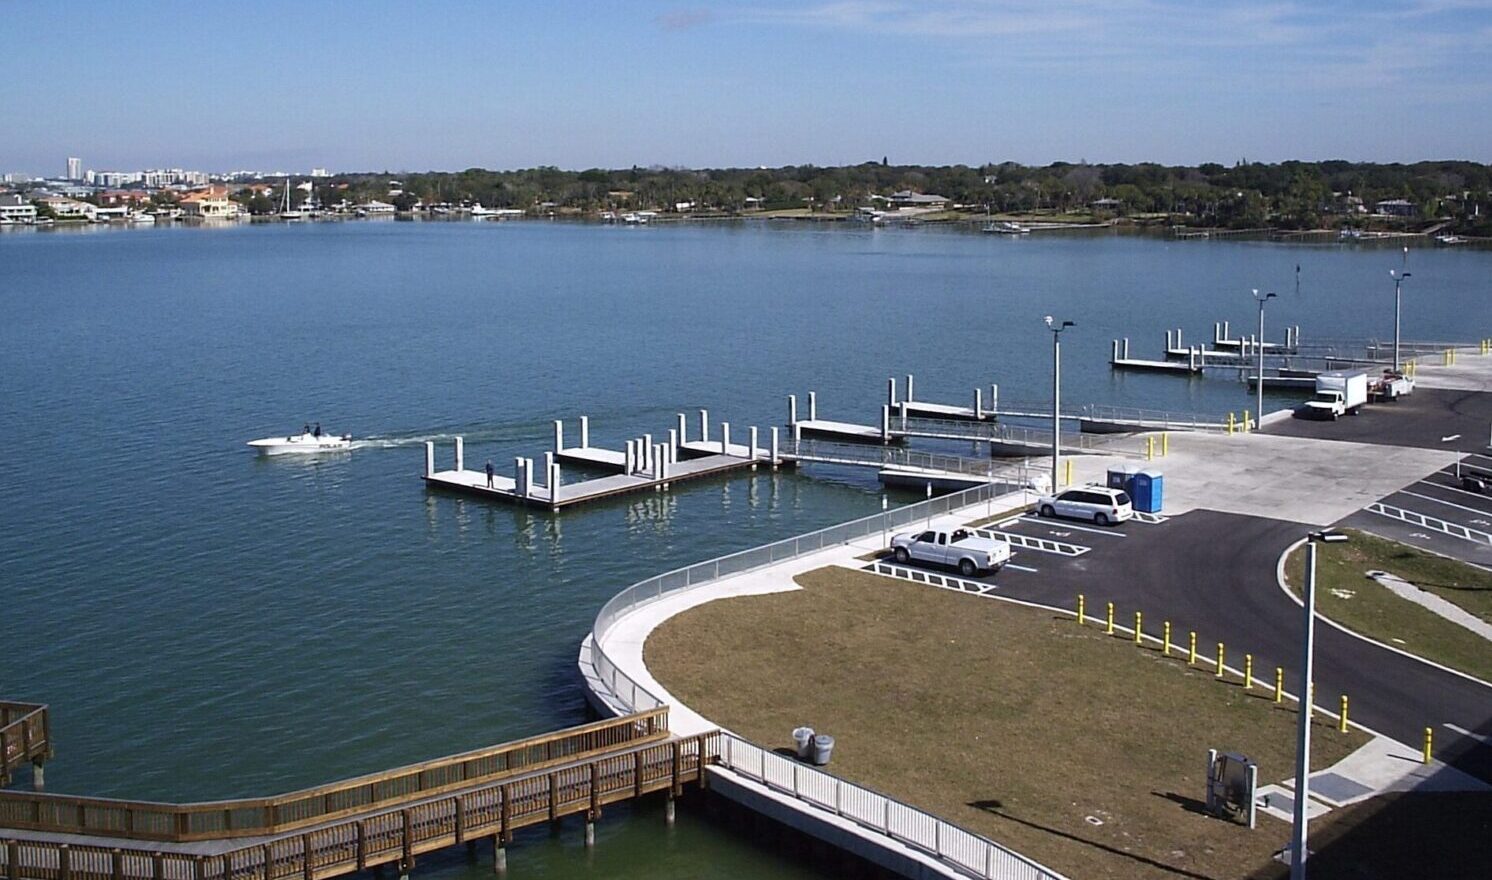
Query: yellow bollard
<point x="1219" y="659"/>
<point x="1191" y="659"/>
<point x="1109" y="628"/>
<point x="1165" y="443"/>
<point x="1081" y="617"/>
<point x="1149" y="448"/>
<point x="1429" y="743"/>
<point x="1166" y="646"/>
<point x="1067" y="477"/>
<point x="1248" y="672"/>
<point x="1139" y="626"/>
<point x="1232" y="421"/>
<point x="1245" y="421"/>
<point x="1279" y="684"/>
<point x="1342" y="716"/>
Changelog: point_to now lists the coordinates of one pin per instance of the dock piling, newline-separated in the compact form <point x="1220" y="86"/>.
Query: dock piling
<point x="554" y="482"/>
<point x="459" y="454"/>
<point x="725" y="438"/>
<point x="520" y="485"/>
<point x="994" y="398"/>
<point x="751" y="435"/>
<point x="792" y="409"/>
<point x="886" y="424"/>
<point x="979" y="404"/>
<point x="683" y="429"/>
<point x="647" y="440"/>
<point x="909" y="388"/>
<point x="629" y="463"/>
<point x="1114" y="352"/>
<point x="429" y="457"/>
<point x="1126" y="348"/>
<point x="813" y="405"/>
<point x="673" y="445"/>
<point x="585" y="432"/>
<point x="559" y="434"/>
<point x="903" y="406"/>
<point x="891" y="391"/>
<point x="704" y="426"/>
<point x="774" y="447"/>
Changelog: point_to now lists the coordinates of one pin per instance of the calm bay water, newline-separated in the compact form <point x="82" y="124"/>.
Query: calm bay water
<point x="207" y="624"/>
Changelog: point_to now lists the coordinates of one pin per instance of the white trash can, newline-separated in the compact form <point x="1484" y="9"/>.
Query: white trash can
<point x="823" y="749"/>
<point x="803" y="740"/>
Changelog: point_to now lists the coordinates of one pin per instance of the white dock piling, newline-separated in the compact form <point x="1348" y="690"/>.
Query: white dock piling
<point x="704" y="426"/>
<point x="979" y="403"/>
<point x="751" y="434"/>
<point x="647" y="442"/>
<point x="1169" y="341"/>
<point x="585" y="432"/>
<point x="554" y="482"/>
<point x="629" y="463"/>
<point x="520" y="481"/>
<point x="792" y="409"/>
<point x="909" y="387"/>
<point x="886" y="424"/>
<point x="994" y="398"/>
<point x="903" y="406"/>
<point x="1126" y="348"/>
<point x="775" y="459"/>
<point x="683" y="429"/>
<point x="797" y="434"/>
<point x="673" y="445"/>
<point x="891" y="391"/>
<point x="660" y="462"/>
<point x="460" y="448"/>
<point x="548" y="466"/>
<point x="1114" y="352"/>
<point x="725" y="438"/>
<point x="559" y="434"/>
<point x="429" y="457"/>
<point x="813" y="405"/>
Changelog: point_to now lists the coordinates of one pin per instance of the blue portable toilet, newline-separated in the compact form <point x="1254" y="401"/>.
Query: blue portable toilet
<point x="1123" y="477"/>
<point x="1148" y="491"/>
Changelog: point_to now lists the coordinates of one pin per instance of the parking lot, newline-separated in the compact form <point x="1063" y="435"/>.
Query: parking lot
<point x="1214" y="574"/>
<point x="1437" y="514"/>
<point x="1430" y="418"/>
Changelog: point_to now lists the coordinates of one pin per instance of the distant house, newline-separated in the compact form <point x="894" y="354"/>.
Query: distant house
<point x="14" y="209"/>
<point x="682" y="207"/>
<point x="908" y="199"/>
<point x="1396" y="208"/>
<point x="1114" y="205"/>
<point x="123" y="197"/>
<point x="69" y="209"/>
<point x="374" y="206"/>
<point x="209" y="203"/>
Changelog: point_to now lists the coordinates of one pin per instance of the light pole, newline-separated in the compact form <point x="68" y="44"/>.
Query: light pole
<point x="1259" y="385"/>
<point x="1304" y="699"/>
<point x="1056" y="329"/>
<point x="1398" y="289"/>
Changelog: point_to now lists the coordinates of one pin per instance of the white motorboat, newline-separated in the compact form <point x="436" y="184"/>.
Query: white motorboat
<point x="307" y="442"/>
<point x="1004" y="227"/>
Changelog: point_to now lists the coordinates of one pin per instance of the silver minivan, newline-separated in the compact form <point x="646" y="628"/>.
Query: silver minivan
<point x="1098" y="504"/>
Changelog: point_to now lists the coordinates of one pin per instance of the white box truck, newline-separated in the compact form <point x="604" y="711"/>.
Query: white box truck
<point x="1338" y="393"/>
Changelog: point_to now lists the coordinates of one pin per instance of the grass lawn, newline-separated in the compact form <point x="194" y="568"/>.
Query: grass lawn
<point x="1347" y="595"/>
<point x="1011" y="721"/>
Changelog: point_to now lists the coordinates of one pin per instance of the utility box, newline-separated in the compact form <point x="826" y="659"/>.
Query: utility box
<point x="1147" y="491"/>
<point x="1123" y="477"/>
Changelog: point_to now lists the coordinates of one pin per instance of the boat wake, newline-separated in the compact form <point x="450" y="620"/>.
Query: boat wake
<point x="400" y="441"/>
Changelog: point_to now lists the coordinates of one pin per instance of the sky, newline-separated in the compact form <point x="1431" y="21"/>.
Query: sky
<point x="374" y="85"/>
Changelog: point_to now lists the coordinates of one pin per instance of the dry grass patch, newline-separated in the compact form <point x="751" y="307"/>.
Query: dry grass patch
<point x="1011" y="721"/>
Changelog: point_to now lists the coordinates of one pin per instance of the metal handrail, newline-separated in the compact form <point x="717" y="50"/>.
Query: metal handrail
<point x="1159" y="417"/>
<point x="1001" y="432"/>
<point x="951" y="845"/>
<point x="898" y="456"/>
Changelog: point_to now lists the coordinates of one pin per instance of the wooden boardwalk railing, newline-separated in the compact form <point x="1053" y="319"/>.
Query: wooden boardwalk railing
<point x="258" y="817"/>
<point x="25" y="736"/>
<point x="491" y="810"/>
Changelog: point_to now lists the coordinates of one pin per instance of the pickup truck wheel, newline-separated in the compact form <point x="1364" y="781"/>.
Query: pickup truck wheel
<point x="1046" y="511"/>
<point x="1100" y="519"/>
<point x="967" y="568"/>
<point x="1333" y="417"/>
<point x="901" y="555"/>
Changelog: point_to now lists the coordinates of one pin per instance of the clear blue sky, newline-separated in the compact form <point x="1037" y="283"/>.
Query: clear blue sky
<point x="371" y="85"/>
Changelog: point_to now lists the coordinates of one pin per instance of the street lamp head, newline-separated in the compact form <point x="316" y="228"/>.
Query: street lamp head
<point x="1048" y="320"/>
<point x="1326" y="537"/>
<point x="1270" y="295"/>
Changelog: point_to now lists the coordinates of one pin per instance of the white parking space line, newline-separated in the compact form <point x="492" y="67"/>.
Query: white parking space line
<point x="1450" y="489"/>
<point x="1064" y="524"/>
<point x="1475" y="510"/>
<point x="1484" y="740"/>
<point x="1021" y="567"/>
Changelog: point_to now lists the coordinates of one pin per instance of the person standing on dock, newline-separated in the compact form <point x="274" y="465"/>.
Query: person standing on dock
<point x="489" y="473"/>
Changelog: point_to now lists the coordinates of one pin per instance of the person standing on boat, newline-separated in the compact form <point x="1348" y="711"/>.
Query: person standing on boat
<point x="489" y="473"/>
<point x="317" y="433"/>
<point x="306" y="428"/>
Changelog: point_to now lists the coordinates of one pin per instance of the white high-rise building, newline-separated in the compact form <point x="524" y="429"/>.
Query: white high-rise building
<point x="74" y="168"/>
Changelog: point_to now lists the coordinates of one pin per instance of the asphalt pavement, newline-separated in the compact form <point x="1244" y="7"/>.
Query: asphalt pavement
<point x="1214" y="573"/>
<point x="1430" y="418"/>
<point x="1442" y="497"/>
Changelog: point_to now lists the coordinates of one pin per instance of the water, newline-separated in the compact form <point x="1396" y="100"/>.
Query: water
<point x="208" y="624"/>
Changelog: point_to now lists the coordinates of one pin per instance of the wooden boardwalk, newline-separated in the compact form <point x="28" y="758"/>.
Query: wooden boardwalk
<point x="25" y="737"/>
<point x="385" y="818"/>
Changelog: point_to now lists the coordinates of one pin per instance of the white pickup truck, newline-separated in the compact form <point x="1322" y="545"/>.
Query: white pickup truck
<point x="960" y="548"/>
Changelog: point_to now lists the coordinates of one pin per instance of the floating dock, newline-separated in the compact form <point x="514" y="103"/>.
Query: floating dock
<point x="910" y="406"/>
<point x="641" y="465"/>
<point x="844" y="432"/>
